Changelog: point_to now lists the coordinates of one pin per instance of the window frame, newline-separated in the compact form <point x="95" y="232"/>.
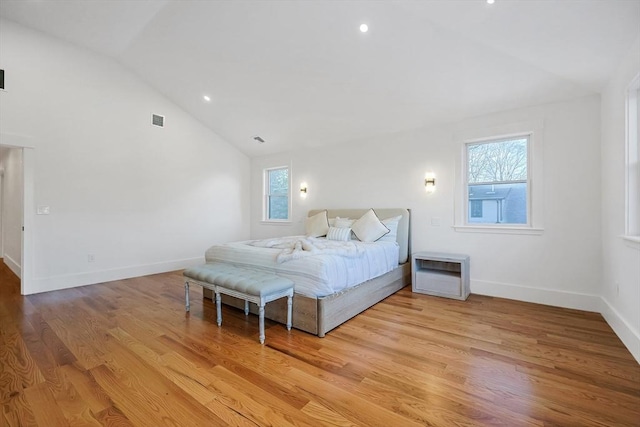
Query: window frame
<point x="534" y="129"/>
<point x="632" y="154"/>
<point x="266" y="194"/>
<point x="465" y="163"/>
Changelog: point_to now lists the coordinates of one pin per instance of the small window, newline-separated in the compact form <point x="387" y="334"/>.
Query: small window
<point x="475" y="206"/>
<point x="276" y="194"/>
<point x="497" y="173"/>
<point x="632" y="228"/>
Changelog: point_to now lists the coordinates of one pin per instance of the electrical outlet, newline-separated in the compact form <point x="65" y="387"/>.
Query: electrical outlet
<point x="91" y="258"/>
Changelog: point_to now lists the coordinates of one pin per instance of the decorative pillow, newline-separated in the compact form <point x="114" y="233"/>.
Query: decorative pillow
<point x="317" y="225"/>
<point x="369" y="228"/>
<point x="392" y="225"/>
<point x="343" y="222"/>
<point x="342" y="234"/>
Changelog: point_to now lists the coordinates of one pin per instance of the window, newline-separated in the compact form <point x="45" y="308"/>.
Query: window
<point x="475" y="207"/>
<point x="632" y="228"/>
<point x="276" y="194"/>
<point x="497" y="181"/>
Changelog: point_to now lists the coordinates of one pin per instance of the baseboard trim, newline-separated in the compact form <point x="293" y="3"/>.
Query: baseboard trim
<point x="90" y="278"/>
<point x="627" y="334"/>
<point x="13" y="265"/>
<point x="565" y="299"/>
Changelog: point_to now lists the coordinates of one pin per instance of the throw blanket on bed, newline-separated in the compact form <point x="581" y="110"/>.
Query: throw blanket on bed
<point x="300" y="247"/>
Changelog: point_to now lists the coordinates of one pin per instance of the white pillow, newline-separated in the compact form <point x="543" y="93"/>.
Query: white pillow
<point x="342" y="234"/>
<point x="343" y="222"/>
<point x="317" y="225"/>
<point x="369" y="228"/>
<point x="392" y="225"/>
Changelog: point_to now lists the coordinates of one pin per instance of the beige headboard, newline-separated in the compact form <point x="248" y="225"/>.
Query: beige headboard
<point x="404" y="226"/>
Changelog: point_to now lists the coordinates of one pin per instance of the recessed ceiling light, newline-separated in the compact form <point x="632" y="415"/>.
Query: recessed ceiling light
<point x="364" y="28"/>
<point x="206" y="98"/>
<point x="491" y="1"/>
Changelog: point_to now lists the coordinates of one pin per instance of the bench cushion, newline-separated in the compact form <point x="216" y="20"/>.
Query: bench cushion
<point x="244" y="280"/>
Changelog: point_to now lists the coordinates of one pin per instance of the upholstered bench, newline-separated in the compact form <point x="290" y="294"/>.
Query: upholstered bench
<point x="251" y="285"/>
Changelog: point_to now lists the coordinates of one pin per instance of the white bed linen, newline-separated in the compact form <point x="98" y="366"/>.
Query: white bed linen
<point x="317" y="275"/>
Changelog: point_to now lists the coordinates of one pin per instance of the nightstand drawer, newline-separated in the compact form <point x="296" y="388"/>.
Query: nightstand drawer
<point x="440" y="282"/>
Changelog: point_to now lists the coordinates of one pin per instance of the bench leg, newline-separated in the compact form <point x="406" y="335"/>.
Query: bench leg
<point x="246" y="307"/>
<point x="289" y="304"/>
<point x="219" y="308"/>
<point x="261" y="313"/>
<point x="187" y="305"/>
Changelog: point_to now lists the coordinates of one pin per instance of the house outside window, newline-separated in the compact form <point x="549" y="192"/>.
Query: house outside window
<point x="276" y="194"/>
<point x="497" y="181"/>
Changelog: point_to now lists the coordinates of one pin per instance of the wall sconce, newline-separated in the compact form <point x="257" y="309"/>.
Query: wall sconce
<point x="303" y="190"/>
<point x="430" y="182"/>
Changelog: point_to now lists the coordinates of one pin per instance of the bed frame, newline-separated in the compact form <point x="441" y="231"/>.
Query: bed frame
<point x="320" y="315"/>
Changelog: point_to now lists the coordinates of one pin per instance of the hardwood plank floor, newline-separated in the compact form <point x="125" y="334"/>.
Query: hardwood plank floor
<point x="125" y="353"/>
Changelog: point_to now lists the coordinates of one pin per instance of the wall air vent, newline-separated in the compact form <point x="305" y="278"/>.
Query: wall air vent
<point x="259" y="139"/>
<point x="2" y="79"/>
<point x="157" y="120"/>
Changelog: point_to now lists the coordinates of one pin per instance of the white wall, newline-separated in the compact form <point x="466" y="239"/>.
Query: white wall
<point x="139" y="198"/>
<point x="620" y="258"/>
<point x="12" y="185"/>
<point x="560" y="267"/>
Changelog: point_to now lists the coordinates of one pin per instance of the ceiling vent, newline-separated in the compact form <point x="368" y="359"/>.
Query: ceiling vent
<point x="157" y="120"/>
<point x="259" y="139"/>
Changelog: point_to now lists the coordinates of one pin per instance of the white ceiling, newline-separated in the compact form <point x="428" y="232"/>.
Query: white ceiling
<point x="301" y="74"/>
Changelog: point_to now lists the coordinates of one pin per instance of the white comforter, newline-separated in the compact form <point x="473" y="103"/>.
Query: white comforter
<point x="296" y="247"/>
<point x="315" y="272"/>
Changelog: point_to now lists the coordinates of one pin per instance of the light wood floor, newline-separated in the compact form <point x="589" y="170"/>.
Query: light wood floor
<point x="125" y="353"/>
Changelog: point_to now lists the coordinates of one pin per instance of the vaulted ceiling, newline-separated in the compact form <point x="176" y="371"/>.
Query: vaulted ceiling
<point x="301" y="74"/>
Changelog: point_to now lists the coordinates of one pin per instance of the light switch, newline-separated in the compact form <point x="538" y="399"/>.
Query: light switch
<point x="43" y="210"/>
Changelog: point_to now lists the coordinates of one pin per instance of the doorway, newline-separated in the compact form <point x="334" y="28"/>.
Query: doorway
<point x="17" y="204"/>
<point x="11" y="201"/>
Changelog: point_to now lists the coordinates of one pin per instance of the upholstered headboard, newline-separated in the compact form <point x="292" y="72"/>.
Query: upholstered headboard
<point x="404" y="226"/>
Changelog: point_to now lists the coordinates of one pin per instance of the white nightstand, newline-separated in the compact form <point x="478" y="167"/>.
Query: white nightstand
<point x="440" y="274"/>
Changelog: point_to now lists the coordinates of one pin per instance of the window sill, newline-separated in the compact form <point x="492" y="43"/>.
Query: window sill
<point x="267" y="222"/>
<point x="498" y="230"/>
<point x="631" y="241"/>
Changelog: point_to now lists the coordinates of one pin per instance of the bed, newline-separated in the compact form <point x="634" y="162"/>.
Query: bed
<point x="317" y="311"/>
